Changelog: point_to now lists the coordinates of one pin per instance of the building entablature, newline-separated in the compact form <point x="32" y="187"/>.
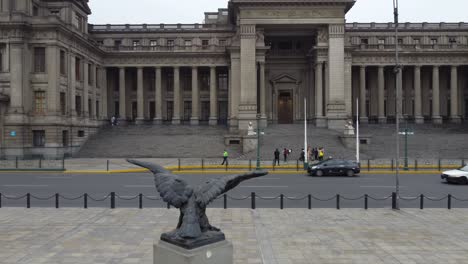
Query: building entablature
<point x="410" y="59"/>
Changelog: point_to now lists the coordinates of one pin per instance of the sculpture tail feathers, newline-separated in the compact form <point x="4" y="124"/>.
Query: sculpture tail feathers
<point x="150" y="166"/>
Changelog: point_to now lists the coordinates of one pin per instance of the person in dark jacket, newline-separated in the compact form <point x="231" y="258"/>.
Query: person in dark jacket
<point x="285" y="154"/>
<point x="277" y="157"/>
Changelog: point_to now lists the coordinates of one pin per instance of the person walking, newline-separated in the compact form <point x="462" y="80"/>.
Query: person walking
<point x="277" y="157"/>
<point x="321" y="154"/>
<point x="302" y="157"/>
<point x="315" y="153"/>
<point x="225" y="157"/>
<point x="285" y="154"/>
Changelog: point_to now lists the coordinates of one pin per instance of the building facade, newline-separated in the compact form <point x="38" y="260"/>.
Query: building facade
<point x="62" y="78"/>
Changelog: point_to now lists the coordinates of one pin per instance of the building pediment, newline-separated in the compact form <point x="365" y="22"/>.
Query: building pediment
<point x="285" y="78"/>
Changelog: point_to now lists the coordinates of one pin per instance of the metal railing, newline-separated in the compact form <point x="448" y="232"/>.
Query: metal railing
<point x="253" y="198"/>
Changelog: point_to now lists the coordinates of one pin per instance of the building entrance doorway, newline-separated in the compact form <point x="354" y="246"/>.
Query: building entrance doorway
<point x="466" y="108"/>
<point x="285" y="107"/>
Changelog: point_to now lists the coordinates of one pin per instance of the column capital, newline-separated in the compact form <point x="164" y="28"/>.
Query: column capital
<point x="195" y="66"/>
<point x="176" y="67"/>
<point x="157" y="67"/>
<point x="140" y="67"/>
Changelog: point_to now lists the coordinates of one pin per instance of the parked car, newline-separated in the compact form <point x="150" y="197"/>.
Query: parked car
<point x="334" y="167"/>
<point x="459" y="176"/>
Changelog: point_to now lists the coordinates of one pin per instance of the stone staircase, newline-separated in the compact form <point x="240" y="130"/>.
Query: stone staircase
<point x="429" y="142"/>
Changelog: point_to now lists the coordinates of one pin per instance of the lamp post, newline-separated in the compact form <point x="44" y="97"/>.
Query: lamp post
<point x="258" y="143"/>
<point x="398" y="104"/>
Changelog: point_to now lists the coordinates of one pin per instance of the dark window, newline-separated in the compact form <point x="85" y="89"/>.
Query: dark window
<point x="298" y="45"/>
<point x="170" y="82"/>
<point x="65" y="138"/>
<point x="381" y="41"/>
<point x="2" y="50"/>
<point x="205" y="43"/>
<point x="39" y="59"/>
<point x="416" y="41"/>
<point x="222" y="42"/>
<point x="153" y="43"/>
<point x="453" y="40"/>
<point x="169" y="110"/>
<point x="364" y="41"/>
<point x="81" y="133"/>
<point x="433" y="41"/>
<point x="78" y="69"/>
<point x="204" y="81"/>
<point x="223" y="82"/>
<point x="186" y="81"/>
<point x="97" y="109"/>
<point x="136" y="45"/>
<point x="55" y="12"/>
<point x="78" y="105"/>
<point x="285" y="45"/>
<point x="205" y="111"/>
<point x="116" y="109"/>
<point x="79" y="22"/>
<point x="117" y="43"/>
<point x="90" y="74"/>
<point x="63" y="63"/>
<point x="39" y="138"/>
<point x="39" y="102"/>
<point x="187" y="110"/>
<point x="90" y="107"/>
<point x="152" y="110"/>
<point x="63" y="103"/>
<point x="400" y="41"/>
<point x="100" y="42"/>
<point x="188" y="43"/>
<point x="35" y="11"/>
<point x="170" y="43"/>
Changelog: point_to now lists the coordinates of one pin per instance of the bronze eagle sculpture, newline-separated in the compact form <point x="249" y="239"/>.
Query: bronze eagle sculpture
<point x="193" y="229"/>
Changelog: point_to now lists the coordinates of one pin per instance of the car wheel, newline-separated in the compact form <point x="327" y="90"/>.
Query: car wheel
<point x="319" y="173"/>
<point x="350" y="173"/>
<point x="463" y="180"/>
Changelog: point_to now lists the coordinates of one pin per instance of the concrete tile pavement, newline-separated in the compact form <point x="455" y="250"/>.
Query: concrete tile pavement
<point x="270" y="236"/>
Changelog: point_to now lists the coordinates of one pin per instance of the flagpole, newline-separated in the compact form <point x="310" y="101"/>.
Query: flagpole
<point x="357" y="131"/>
<point x="305" y="136"/>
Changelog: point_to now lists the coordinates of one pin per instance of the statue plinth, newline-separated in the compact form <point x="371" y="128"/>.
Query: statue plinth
<point x="217" y="253"/>
<point x="209" y="237"/>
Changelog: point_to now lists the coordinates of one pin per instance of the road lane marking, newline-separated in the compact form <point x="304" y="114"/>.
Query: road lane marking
<point x="19" y="185"/>
<point x="260" y="186"/>
<point x="380" y="186"/>
<point x="54" y="178"/>
<point x="139" y="186"/>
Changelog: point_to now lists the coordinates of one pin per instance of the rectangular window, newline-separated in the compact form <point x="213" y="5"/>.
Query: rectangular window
<point x="90" y="74"/>
<point x="170" y="43"/>
<point x="187" y="110"/>
<point x="39" y="102"/>
<point x="39" y="60"/>
<point x="98" y="77"/>
<point x="205" y="111"/>
<point x="381" y="41"/>
<point x="400" y="41"/>
<point x="364" y="41"/>
<point x="78" y="105"/>
<point x="222" y="42"/>
<point x="117" y="42"/>
<point x="63" y="103"/>
<point x="79" y="22"/>
<point x="169" y="110"/>
<point x="81" y="133"/>
<point x="100" y="42"/>
<point x="136" y="45"/>
<point x="35" y="11"/>
<point x="416" y="41"/>
<point x="223" y="82"/>
<point x="170" y="82"/>
<point x="63" y="63"/>
<point x="65" y="138"/>
<point x="2" y="50"/>
<point x="188" y="43"/>
<point x="153" y="43"/>
<point x="452" y="40"/>
<point x="152" y="110"/>
<point x="90" y="108"/>
<point x="205" y="43"/>
<point x="204" y="81"/>
<point x="78" y="69"/>
<point x="285" y="45"/>
<point x="39" y="138"/>
<point x="433" y="41"/>
<point x="55" y="12"/>
<point x="97" y="109"/>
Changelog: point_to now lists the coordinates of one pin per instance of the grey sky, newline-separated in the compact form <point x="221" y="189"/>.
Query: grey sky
<point x="191" y="11"/>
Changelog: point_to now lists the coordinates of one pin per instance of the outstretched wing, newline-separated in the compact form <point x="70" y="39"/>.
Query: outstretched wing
<point x="215" y="187"/>
<point x="172" y="188"/>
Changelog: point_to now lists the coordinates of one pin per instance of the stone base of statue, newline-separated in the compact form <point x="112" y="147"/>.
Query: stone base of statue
<point x="216" y="253"/>
<point x="249" y="143"/>
<point x="349" y="141"/>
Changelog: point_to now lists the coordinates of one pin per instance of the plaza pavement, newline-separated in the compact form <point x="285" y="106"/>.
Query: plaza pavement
<point x="269" y="236"/>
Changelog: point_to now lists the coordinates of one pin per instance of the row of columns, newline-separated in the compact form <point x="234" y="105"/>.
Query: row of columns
<point x="436" y="117"/>
<point x="176" y="119"/>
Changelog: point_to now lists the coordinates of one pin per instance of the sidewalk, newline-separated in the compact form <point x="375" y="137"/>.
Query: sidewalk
<point x="268" y="236"/>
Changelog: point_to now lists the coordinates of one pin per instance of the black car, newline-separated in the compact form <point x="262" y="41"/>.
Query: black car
<point x="334" y="167"/>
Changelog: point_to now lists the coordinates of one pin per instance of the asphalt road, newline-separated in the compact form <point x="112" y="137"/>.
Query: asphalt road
<point x="267" y="189"/>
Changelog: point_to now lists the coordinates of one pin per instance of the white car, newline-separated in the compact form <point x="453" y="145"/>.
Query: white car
<point x="456" y="176"/>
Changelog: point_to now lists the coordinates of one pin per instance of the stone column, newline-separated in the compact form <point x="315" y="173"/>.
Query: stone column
<point x="213" y="97"/>
<point x="140" y="97"/>
<point x="363" y="118"/>
<point x="53" y="79"/>
<point x="176" y="116"/>
<point x="454" y="116"/>
<point x="104" y="110"/>
<point x="336" y="108"/>
<point x="122" y="96"/>
<point x="85" y="89"/>
<point x="248" y="80"/>
<point x="194" y="120"/>
<point x="159" y="98"/>
<point x="235" y="91"/>
<point x="72" y="83"/>
<point x="436" y="118"/>
<point x="94" y="111"/>
<point x="17" y="82"/>
<point x="381" y="92"/>
<point x="319" y="118"/>
<point x="263" y="117"/>
<point x="419" y="119"/>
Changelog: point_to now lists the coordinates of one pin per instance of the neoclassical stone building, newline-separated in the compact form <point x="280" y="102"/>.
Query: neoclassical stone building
<point x="62" y="78"/>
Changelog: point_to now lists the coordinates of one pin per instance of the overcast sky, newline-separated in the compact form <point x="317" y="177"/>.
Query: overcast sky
<point x="191" y="11"/>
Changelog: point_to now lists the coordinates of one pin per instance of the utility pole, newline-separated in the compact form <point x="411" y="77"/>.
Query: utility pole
<point x="398" y="104"/>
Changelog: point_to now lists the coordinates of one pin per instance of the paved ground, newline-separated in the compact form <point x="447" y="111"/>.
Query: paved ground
<point x="429" y="142"/>
<point x="268" y="236"/>
<point x="294" y="186"/>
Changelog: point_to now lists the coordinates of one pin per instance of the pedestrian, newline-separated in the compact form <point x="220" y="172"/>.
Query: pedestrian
<point x="113" y="123"/>
<point x="321" y="154"/>
<point x="315" y="153"/>
<point x="302" y="157"/>
<point x="277" y="157"/>
<point x="285" y="154"/>
<point x="309" y="153"/>
<point x="225" y="158"/>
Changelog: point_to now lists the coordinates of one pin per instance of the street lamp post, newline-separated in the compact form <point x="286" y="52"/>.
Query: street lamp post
<point x="258" y="142"/>
<point x="398" y="104"/>
<point x="406" y="144"/>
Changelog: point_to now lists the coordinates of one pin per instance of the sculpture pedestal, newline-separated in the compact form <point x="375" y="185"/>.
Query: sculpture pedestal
<point x="217" y="253"/>
<point x="249" y="143"/>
